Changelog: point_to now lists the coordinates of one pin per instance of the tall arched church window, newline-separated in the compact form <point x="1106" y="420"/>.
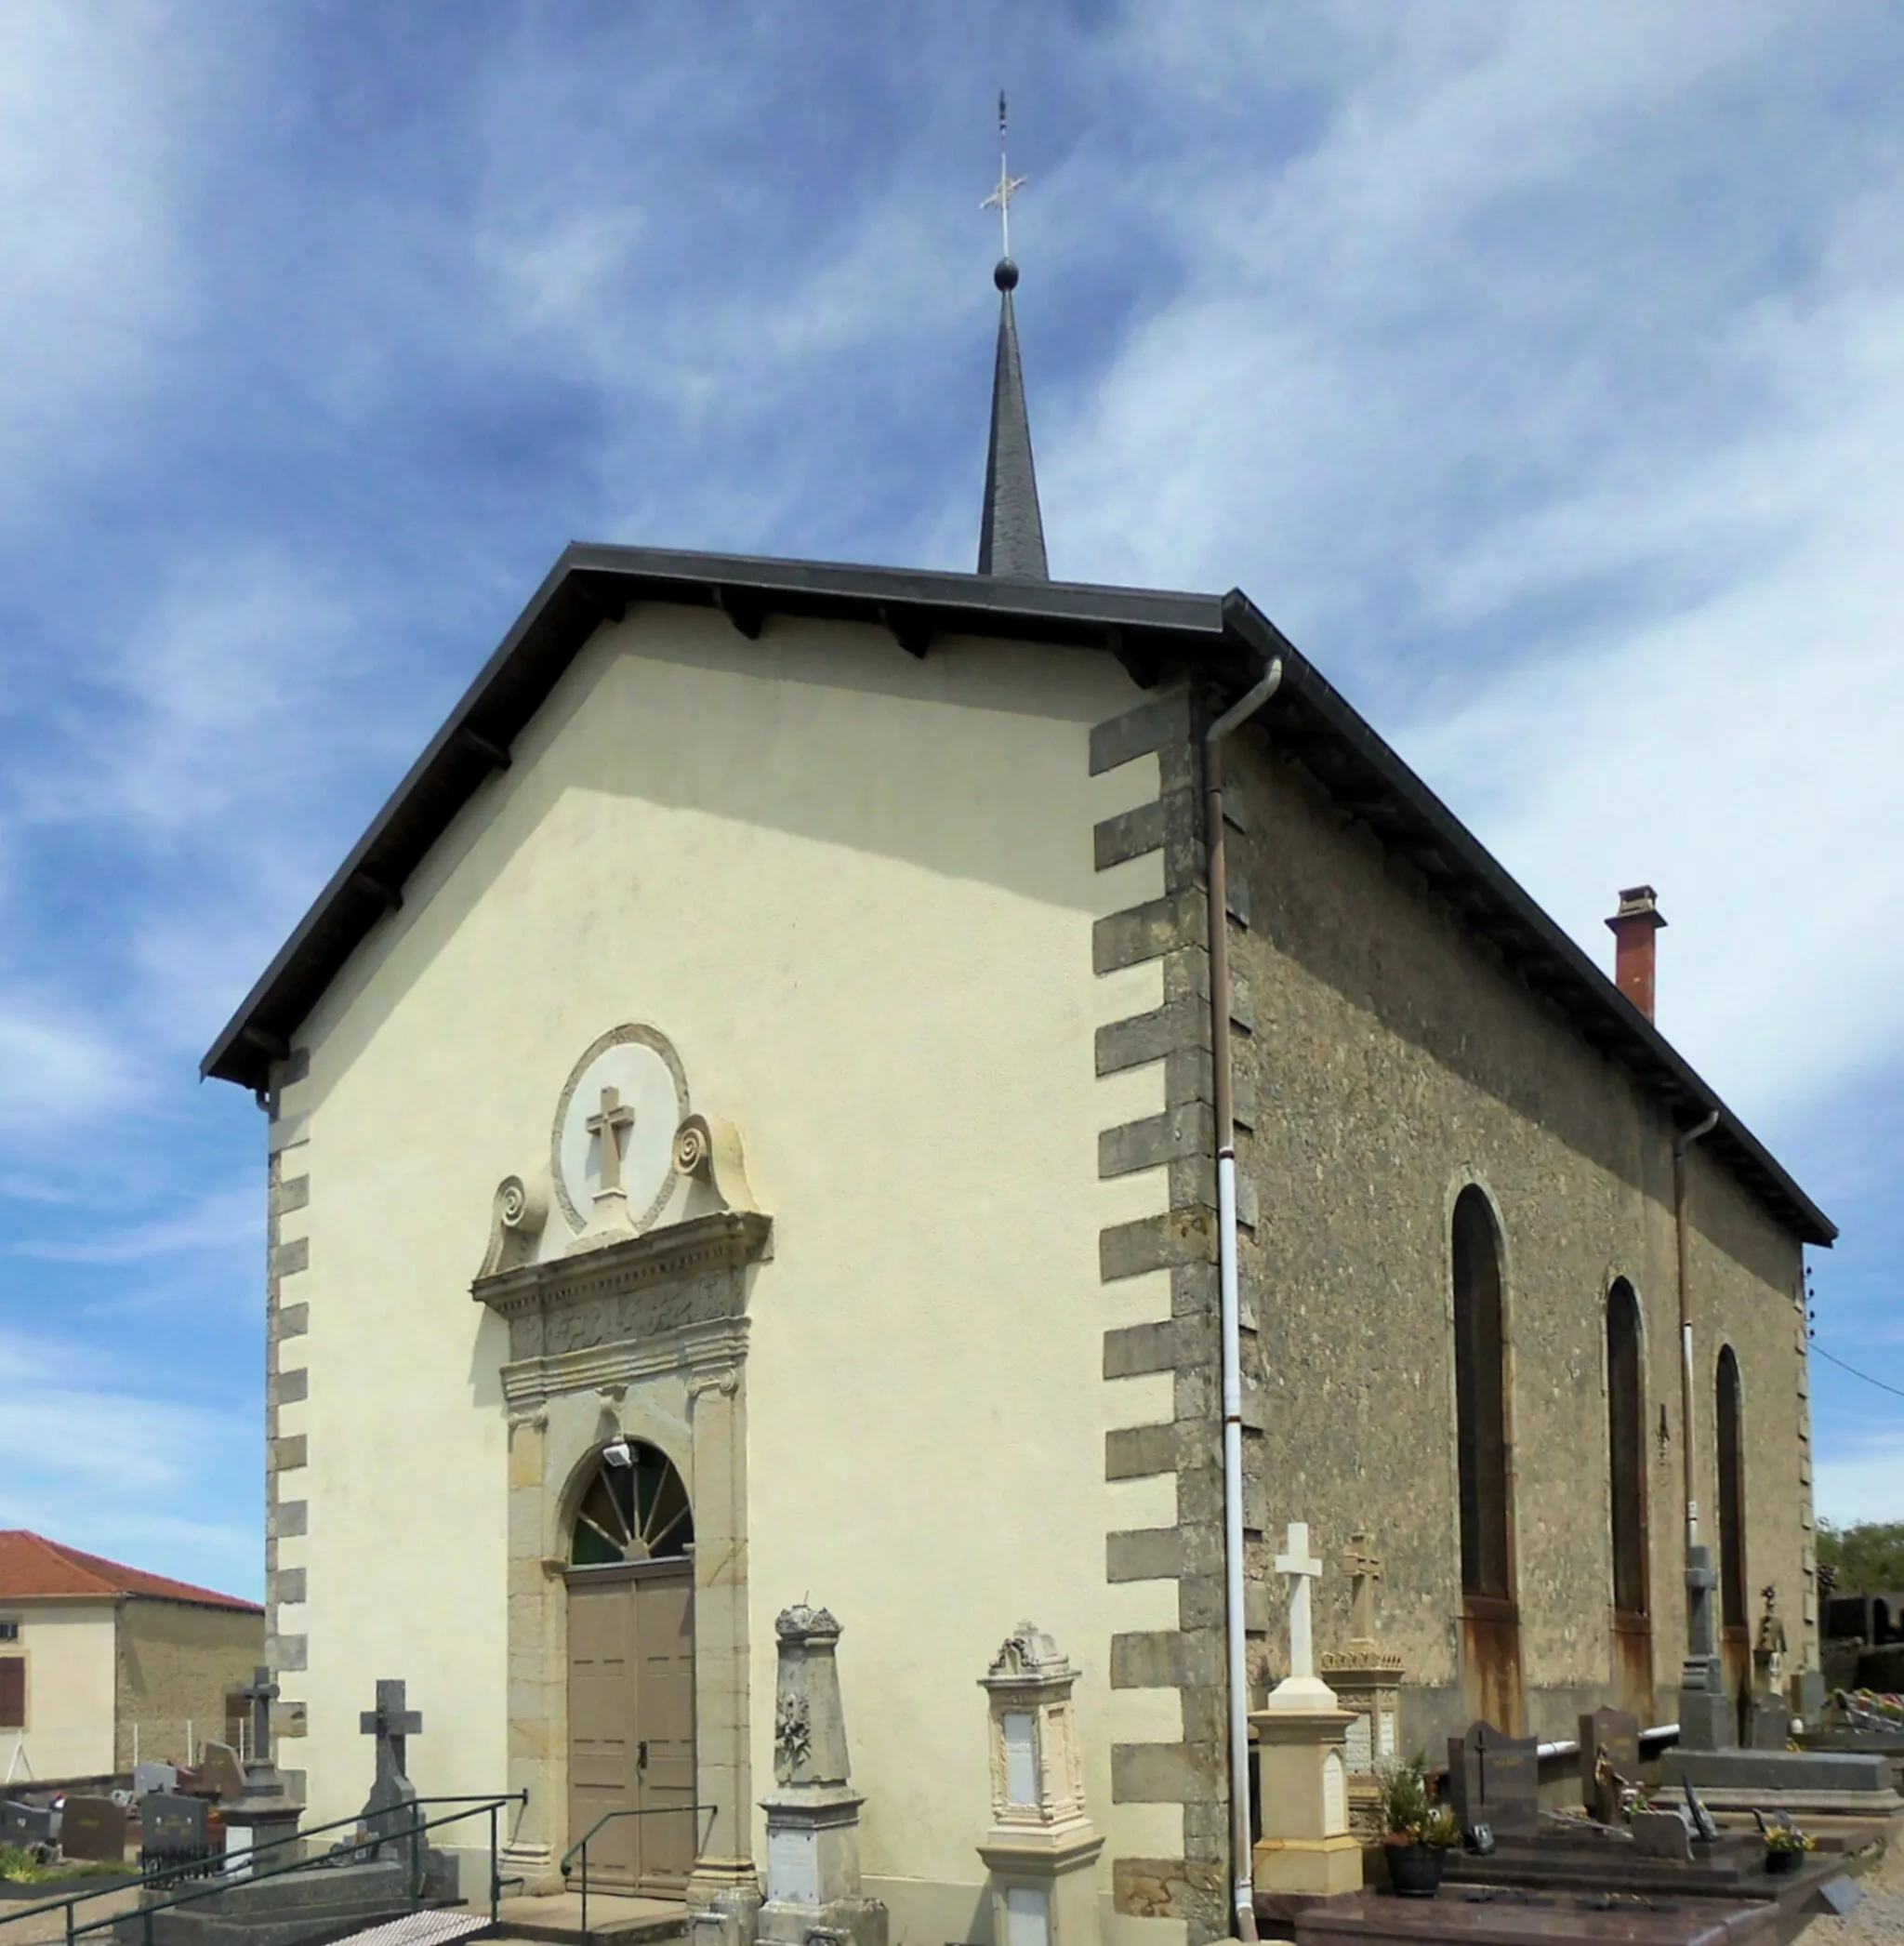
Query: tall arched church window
<point x="1729" y="1419"/>
<point x="635" y="1508"/>
<point x="1480" y="1382"/>
<point x="1626" y="1448"/>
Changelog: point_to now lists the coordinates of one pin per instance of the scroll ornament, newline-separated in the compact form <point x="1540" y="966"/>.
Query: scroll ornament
<point x="516" y="1221"/>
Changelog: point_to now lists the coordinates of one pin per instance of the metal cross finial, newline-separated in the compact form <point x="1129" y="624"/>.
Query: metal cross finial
<point x="1009" y="185"/>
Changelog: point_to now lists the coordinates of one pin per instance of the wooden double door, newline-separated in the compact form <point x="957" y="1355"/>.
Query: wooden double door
<point x="631" y="1723"/>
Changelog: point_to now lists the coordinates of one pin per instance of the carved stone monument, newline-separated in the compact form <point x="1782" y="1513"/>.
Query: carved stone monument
<point x="1041" y="1847"/>
<point x="1301" y="1768"/>
<point x="263" y="1813"/>
<point x="389" y="1811"/>
<point x="1705" y="1709"/>
<point x="1367" y="1681"/>
<point x="813" y="1811"/>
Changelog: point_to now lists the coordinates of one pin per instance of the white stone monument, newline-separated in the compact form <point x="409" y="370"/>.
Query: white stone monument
<point x="812" y="1812"/>
<point x="1041" y="1848"/>
<point x="1300" y="1765"/>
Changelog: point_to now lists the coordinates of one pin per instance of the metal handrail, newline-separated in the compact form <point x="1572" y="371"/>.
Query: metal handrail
<point x="159" y="1875"/>
<point x="653" y="1811"/>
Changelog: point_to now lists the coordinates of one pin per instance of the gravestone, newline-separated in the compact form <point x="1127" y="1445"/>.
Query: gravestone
<point x="176" y="1831"/>
<point x="93" y="1828"/>
<point x="1610" y="1757"/>
<point x="1769" y="1714"/>
<point x="389" y="1811"/>
<point x="1495" y="1779"/>
<point x="150" y="1777"/>
<point x="219" y="1772"/>
<point x="25" y="1825"/>
<point x="813" y="1811"/>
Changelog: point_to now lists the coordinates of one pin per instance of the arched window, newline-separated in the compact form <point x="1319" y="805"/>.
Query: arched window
<point x="634" y="1509"/>
<point x="1480" y="1384"/>
<point x="1626" y="1449"/>
<point x="1731" y="1430"/>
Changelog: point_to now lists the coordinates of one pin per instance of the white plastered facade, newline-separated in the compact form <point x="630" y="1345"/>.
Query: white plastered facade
<point x="856" y="893"/>
<point x="70" y="1654"/>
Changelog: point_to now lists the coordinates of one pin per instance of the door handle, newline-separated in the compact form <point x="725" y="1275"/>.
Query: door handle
<point x="642" y="1755"/>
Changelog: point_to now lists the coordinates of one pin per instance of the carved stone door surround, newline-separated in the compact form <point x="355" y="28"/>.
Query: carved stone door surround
<point x="644" y="1337"/>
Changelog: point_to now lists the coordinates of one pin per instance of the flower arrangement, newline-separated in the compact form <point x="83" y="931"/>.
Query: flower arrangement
<point x="1408" y="1809"/>
<point x="1789" y="1838"/>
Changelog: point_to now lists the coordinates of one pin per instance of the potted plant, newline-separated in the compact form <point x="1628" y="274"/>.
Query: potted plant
<point x="1786" y="1848"/>
<point x="1418" y="1834"/>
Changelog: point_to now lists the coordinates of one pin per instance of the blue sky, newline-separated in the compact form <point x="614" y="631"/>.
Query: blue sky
<point x="1540" y="368"/>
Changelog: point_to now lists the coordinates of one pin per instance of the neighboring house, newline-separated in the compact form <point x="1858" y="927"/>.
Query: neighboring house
<point x="101" y="1661"/>
<point x="901" y="876"/>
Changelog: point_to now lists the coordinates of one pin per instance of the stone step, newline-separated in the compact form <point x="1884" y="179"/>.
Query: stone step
<point x="557" y="1921"/>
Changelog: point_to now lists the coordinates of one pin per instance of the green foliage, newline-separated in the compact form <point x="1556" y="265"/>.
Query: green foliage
<point x="1867" y="1559"/>
<point x="21" y="1868"/>
<point x="1404" y="1793"/>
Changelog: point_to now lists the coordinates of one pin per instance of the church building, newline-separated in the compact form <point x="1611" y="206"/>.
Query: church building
<point x="764" y="1117"/>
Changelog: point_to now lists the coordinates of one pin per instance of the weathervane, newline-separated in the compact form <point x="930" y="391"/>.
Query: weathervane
<point x="1009" y="186"/>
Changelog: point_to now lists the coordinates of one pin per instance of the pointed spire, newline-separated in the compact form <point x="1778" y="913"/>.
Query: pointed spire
<point x="1011" y="531"/>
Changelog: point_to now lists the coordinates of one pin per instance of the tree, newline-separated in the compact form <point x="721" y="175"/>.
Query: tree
<point x="1867" y="1559"/>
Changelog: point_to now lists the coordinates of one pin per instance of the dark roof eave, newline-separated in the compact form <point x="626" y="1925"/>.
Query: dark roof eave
<point x="1226" y="639"/>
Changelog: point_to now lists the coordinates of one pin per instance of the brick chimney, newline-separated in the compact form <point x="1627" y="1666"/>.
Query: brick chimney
<point x="1633" y="928"/>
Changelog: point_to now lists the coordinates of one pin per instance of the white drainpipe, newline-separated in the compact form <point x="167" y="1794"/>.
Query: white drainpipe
<point x="1242" y="1872"/>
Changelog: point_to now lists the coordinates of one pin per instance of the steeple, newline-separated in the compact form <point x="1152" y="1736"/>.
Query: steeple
<point x="1011" y="531"/>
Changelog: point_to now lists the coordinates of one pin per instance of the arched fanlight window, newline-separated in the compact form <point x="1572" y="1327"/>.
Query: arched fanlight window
<point x="1480" y="1353"/>
<point x="1731" y="1430"/>
<point x="1626" y="1445"/>
<point x="634" y="1509"/>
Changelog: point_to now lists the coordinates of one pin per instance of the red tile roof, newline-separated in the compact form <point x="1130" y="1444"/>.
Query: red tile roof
<point x="32" y="1566"/>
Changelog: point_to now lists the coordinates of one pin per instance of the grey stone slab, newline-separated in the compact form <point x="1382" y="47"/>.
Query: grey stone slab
<point x="1776" y="1770"/>
<point x="1138" y="1451"/>
<point x="291" y="1321"/>
<point x="288" y="1518"/>
<point x="1156" y="1243"/>
<point x="1182" y="1023"/>
<point x="287" y="1586"/>
<point x="290" y="1451"/>
<point x="1149" y="931"/>
<point x="289" y="1194"/>
<point x="1154" y="1773"/>
<point x="290" y="1388"/>
<point x="1149" y="727"/>
<point x="1135" y="1350"/>
<point x="1147" y="1554"/>
<point x="289" y="1259"/>
<point x="1150" y="1660"/>
<point x="1157" y="1141"/>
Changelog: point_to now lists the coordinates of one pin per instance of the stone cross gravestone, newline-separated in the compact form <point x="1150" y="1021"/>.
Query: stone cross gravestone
<point x="1495" y="1779"/>
<point x="93" y="1828"/>
<point x="388" y="1812"/>
<point x="1610" y="1757"/>
<point x="1301" y="1689"/>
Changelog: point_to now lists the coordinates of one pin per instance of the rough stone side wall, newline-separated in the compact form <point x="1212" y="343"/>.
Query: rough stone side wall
<point x="174" y="1664"/>
<point x="1395" y="1059"/>
<point x="287" y="1320"/>
<point x="1191" y="1772"/>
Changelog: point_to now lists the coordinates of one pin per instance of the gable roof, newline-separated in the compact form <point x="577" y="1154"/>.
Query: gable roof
<point x="1225" y="640"/>
<point x="34" y="1568"/>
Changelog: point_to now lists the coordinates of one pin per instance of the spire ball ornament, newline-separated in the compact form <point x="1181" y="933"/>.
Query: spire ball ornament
<point x="1006" y="275"/>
